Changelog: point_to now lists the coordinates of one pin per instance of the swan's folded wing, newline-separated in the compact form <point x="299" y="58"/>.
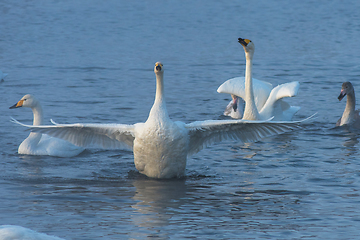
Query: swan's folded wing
<point x="203" y="133"/>
<point x="108" y="136"/>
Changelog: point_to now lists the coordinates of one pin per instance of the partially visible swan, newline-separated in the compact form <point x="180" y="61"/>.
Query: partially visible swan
<point x="160" y="145"/>
<point x="350" y="115"/>
<point x="262" y="100"/>
<point x="13" y="232"/>
<point x="235" y="108"/>
<point x="42" y="144"/>
<point x="2" y="76"/>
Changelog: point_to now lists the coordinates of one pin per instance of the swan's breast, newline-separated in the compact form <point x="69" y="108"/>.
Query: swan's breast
<point x="160" y="149"/>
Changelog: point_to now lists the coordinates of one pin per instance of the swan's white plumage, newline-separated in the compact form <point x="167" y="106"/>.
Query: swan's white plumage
<point x="268" y="100"/>
<point x="13" y="232"/>
<point x="160" y="145"/>
<point x="42" y="144"/>
<point x="236" y="86"/>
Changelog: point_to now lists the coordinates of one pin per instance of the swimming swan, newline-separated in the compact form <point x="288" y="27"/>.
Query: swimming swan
<point x="42" y="144"/>
<point x="12" y="232"/>
<point x="350" y="116"/>
<point x="262" y="100"/>
<point x="161" y="146"/>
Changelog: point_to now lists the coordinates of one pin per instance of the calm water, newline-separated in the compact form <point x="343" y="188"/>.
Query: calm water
<point x="92" y="61"/>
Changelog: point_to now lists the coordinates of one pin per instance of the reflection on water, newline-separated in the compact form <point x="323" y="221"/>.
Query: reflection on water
<point x="157" y="201"/>
<point x="351" y="143"/>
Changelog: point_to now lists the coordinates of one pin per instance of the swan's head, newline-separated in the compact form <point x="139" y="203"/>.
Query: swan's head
<point x="159" y="68"/>
<point x="234" y="105"/>
<point x="247" y="44"/>
<point x="26" y="101"/>
<point x="346" y="88"/>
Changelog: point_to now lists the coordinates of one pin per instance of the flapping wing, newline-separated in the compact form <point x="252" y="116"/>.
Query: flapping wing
<point x="203" y="133"/>
<point x="284" y="90"/>
<point x="236" y="86"/>
<point x="108" y="136"/>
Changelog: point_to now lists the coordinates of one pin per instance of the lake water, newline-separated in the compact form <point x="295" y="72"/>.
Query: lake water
<point x="92" y="61"/>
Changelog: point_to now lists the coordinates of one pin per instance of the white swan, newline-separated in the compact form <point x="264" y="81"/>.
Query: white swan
<point x="350" y="115"/>
<point x="160" y="145"/>
<point x="2" y="76"/>
<point x="42" y="144"/>
<point x="13" y="232"/>
<point x="262" y="100"/>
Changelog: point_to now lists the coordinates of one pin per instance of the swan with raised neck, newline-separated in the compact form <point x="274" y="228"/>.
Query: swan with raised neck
<point x="350" y="115"/>
<point x="250" y="112"/>
<point x="274" y="107"/>
<point x="160" y="145"/>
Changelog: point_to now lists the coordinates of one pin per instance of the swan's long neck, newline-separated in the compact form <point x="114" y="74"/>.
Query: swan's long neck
<point x="349" y="112"/>
<point x="38" y="115"/>
<point x="31" y="142"/>
<point x="250" y="112"/>
<point x="159" y="110"/>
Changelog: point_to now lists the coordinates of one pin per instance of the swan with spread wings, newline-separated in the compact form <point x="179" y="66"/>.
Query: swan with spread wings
<point x="160" y="145"/>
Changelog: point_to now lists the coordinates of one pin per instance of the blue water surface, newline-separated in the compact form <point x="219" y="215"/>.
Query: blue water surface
<point x="92" y="61"/>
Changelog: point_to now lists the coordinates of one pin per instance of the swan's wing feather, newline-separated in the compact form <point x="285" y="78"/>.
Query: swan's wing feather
<point x="203" y="133"/>
<point x="284" y="90"/>
<point x="236" y="86"/>
<point x="89" y="135"/>
<point x="274" y="105"/>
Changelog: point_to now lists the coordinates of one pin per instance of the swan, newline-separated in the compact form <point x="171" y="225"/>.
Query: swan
<point x="13" y="232"/>
<point x="160" y="145"/>
<point x="350" y="115"/>
<point x="42" y="144"/>
<point x="2" y="76"/>
<point x="262" y="100"/>
<point x="235" y="108"/>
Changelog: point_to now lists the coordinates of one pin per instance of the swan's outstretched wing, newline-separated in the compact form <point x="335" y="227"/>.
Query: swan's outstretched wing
<point x="285" y="90"/>
<point x="274" y="105"/>
<point x="89" y="135"/>
<point x="236" y="86"/>
<point x="203" y="133"/>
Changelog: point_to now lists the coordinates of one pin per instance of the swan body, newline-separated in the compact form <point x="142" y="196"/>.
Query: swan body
<point x="42" y="144"/>
<point x="350" y="115"/>
<point x="262" y="100"/>
<point x="160" y="145"/>
<point x="12" y="232"/>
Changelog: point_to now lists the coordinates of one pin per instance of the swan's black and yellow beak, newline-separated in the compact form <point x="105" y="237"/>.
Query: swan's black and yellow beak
<point x="244" y="42"/>
<point x="342" y="94"/>
<point x="18" y="104"/>
<point x="158" y="66"/>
